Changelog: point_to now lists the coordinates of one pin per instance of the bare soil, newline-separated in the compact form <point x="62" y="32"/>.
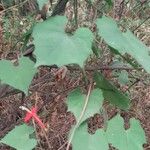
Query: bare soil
<point x="48" y="93"/>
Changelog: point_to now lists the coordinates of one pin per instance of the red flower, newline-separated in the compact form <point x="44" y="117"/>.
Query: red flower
<point x="32" y="114"/>
<point x="29" y="115"/>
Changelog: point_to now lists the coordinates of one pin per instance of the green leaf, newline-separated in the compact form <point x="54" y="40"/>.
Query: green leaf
<point x="96" y="49"/>
<point x="116" y="63"/>
<point x="127" y="59"/>
<point x="116" y="132"/>
<point x="109" y="2"/>
<point x="110" y="92"/>
<point x="123" y="77"/>
<point x="124" y="42"/>
<point x="76" y="102"/>
<point x="41" y="3"/>
<point x="84" y="141"/>
<point x="131" y="139"/>
<point x="19" y="139"/>
<point x="19" y="76"/>
<point x="54" y="46"/>
<point x="135" y="135"/>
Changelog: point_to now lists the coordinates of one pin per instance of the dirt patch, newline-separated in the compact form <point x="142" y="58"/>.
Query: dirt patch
<point x="49" y="94"/>
<point x="50" y="88"/>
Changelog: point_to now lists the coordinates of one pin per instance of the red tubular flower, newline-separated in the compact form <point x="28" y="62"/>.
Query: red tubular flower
<point x="29" y="115"/>
<point x="32" y="114"/>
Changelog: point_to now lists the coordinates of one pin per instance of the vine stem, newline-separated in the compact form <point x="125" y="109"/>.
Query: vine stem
<point x="81" y="116"/>
<point x="76" y="12"/>
<point x="141" y="23"/>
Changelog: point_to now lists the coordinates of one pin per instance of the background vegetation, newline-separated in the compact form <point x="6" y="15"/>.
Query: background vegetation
<point x="84" y="77"/>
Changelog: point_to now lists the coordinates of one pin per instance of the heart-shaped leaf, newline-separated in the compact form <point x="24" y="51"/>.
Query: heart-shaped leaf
<point x="19" y="139"/>
<point x="20" y="76"/>
<point x="76" y="102"/>
<point x="54" y="46"/>
<point x="84" y="141"/>
<point x="122" y="139"/>
<point x="130" y="139"/>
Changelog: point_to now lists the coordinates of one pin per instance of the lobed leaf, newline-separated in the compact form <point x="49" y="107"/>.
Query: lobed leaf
<point x="54" y="46"/>
<point x="20" y="76"/>
<point x="131" y="139"/>
<point x="122" y="139"/>
<point x="83" y="140"/>
<point x="76" y="101"/>
<point x="19" y="139"/>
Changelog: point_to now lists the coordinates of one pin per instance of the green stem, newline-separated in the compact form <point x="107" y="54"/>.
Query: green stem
<point x="76" y="13"/>
<point x="84" y="76"/>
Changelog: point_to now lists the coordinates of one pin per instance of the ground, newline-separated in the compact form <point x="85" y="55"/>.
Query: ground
<point x="48" y="92"/>
<point x="49" y="95"/>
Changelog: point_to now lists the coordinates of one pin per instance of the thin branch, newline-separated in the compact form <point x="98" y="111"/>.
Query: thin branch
<point x="103" y="68"/>
<point x="62" y="146"/>
<point x="12" y="7"/>
<point x="36" y="133"/>
<point x="76" y="12"/>
<point x="137" y="80"/>
<point x="81" y="116"/>
<point x="141" y="23"/>
<point x="71" y="68"/>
